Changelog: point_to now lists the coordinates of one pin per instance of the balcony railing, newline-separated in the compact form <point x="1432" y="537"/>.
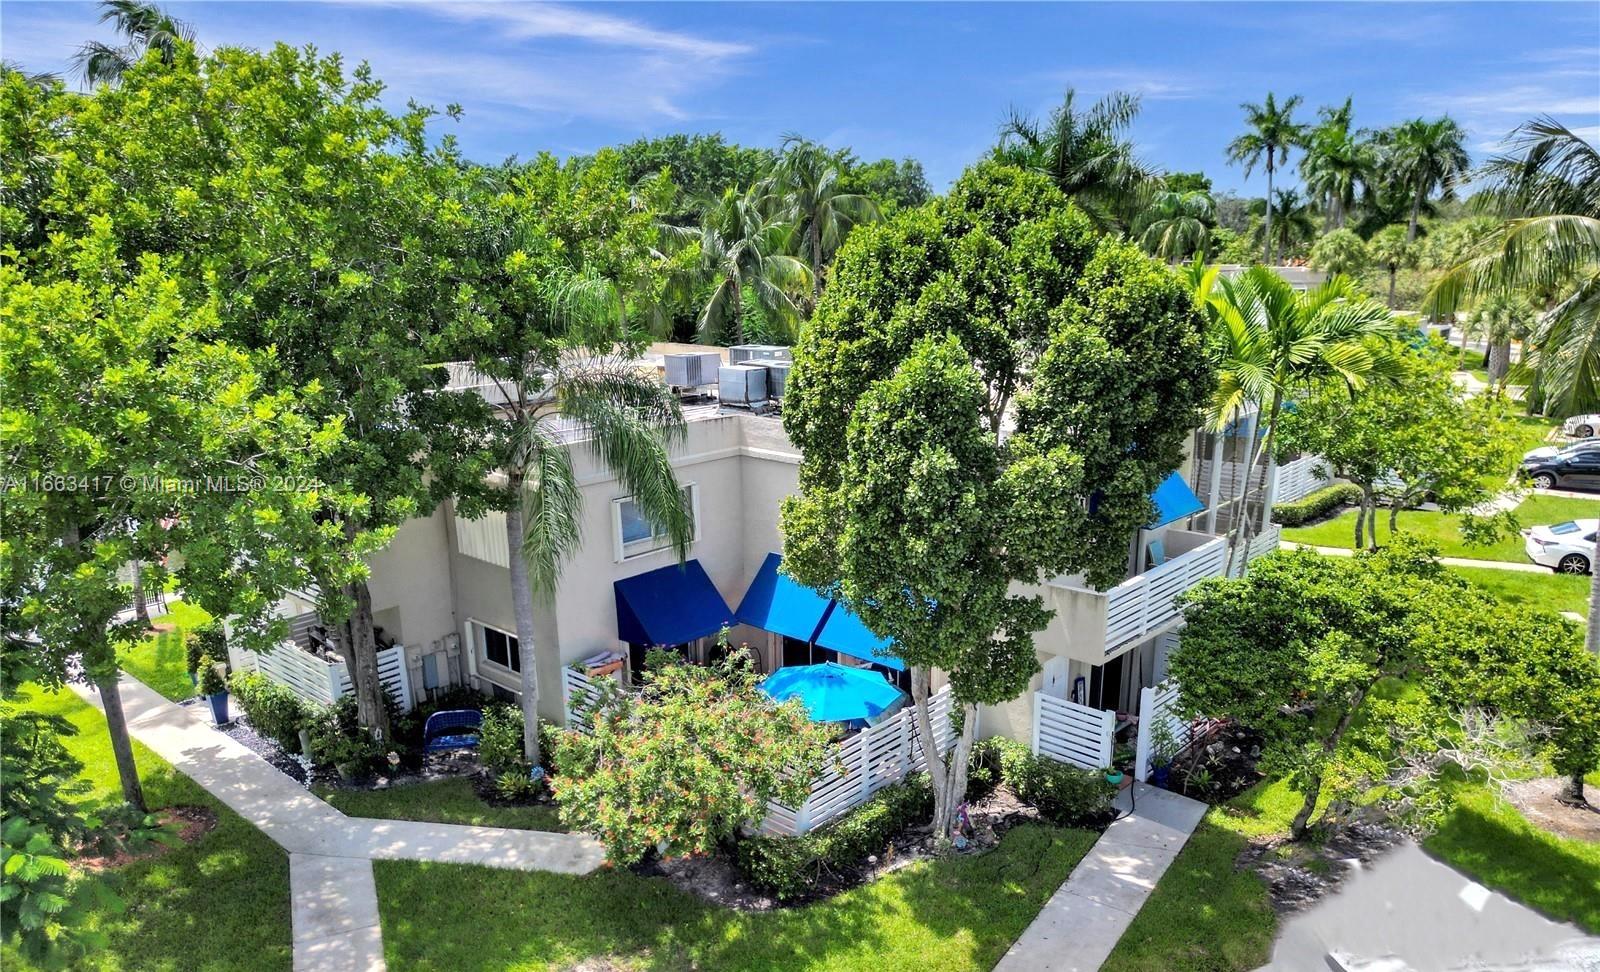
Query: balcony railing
<point x="1143" y="605"/>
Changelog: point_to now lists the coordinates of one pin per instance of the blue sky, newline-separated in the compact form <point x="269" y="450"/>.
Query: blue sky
<point x="931" y="81"/>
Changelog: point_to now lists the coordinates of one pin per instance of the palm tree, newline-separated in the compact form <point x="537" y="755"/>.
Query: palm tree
<point x="1502" y="318"/>
<point x="42" y="80"/>
<point x="1337" y="162"/>
<point x="1288" y="222"/>
<point x="804" y="185"/>
<point x="1391" y="248"/>
<point x="1273" y="132"/>
<point x="1085" y="153"/>
<point x="146" y="28"/>
<point x="743" y="247"/>
<point x="1269" y="341"/>
<point x="1422" y="156"/>
<point x="1177" y="224"/>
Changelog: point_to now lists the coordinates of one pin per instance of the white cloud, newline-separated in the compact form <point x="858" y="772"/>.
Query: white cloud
<point x="1150" y="85"/>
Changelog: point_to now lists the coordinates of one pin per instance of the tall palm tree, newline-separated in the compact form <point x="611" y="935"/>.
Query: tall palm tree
<point x="1268" y="342"/>
<point x="1288" y="222"/>
<point x="1391" y="248"/>
<point x="1086" y="153"/>
<point x="1273" y="132"/>
<point x="145" y="27"/>
<point x="741" y="246"/>
<point x="1548" y="187"/>
<point x="1177" y="225"/>
<point x="1337" y="163"/>
<point x="804" y="188"/>
<point x="42" y="80"/>
<point x="1423" y="156"/>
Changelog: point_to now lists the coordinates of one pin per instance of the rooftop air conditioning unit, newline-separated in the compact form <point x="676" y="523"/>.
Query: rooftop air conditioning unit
<point x="692" y="370"/>
<point x="758" y="353"/>
<point x="743" y="385"/>
<point x="777" y="377"/>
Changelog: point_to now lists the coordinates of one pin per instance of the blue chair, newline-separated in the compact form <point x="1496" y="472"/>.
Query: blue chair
<point x="442" y="730"/>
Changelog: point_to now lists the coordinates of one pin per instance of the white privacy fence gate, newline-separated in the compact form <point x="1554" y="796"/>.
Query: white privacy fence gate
<point x="322" y="681"/>
<point x="1072" y="733"/>
<point x="864" y="764"/>
<point x="1158" y="706"/>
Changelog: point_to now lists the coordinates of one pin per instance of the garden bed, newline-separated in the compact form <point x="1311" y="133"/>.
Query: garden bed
<point x="186" y="824"/>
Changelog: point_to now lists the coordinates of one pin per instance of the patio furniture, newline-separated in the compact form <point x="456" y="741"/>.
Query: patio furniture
<point x="832" y="692"/>
<point x="442" y="731"/>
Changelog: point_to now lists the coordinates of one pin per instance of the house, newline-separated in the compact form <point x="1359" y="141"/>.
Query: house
<point x="441" y="589"/>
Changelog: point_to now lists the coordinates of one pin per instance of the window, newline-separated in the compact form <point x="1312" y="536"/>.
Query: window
<point x="498" y="647"/>
<point x="636" y="535"/>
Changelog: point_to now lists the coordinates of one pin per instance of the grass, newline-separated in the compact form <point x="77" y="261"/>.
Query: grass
<point x="451" y="801"/>
<point x="1549" y="591"/>
<point x="221" y="903"/>
<point x="1488" y="839"/>
<point x="160" y="661"/>
<point x="953" y="915"/>
<point x="1445" y="531"/>
<point x="1206" y="915"/>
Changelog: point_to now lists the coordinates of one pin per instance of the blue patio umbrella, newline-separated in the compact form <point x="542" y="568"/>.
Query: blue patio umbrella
<point x="832" y="692"/>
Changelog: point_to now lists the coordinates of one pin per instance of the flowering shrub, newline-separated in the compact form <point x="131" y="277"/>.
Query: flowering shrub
<point x="685" y="762"/>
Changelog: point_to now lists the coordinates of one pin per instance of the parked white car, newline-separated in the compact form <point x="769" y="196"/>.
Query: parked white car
<point x="1581" y="426"/>
<point x="1566" y="548"/>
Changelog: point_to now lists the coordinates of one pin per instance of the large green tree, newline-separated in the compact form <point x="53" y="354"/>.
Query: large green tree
<point x="744" y="248"/>
<point x="1176" y="225"/>
<point x="806" y="191"/>
<point x="986" y="396"/>
<point x="1086" y="153"/>
<point x="1272" y="133"/>
<point x="1424" y="157"/>
<point x="1338" y="163"/>
<point x="325" y="226"/>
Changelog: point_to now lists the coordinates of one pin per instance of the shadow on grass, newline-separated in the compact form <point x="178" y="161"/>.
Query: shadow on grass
<point x="955" y="914"/>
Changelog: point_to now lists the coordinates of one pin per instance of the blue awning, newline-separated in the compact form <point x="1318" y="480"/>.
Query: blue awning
<point x="1174" y="500"/>
<point x="670" y="606"/>
<point x="845" y="633"/>
<point x="778" y="604"/>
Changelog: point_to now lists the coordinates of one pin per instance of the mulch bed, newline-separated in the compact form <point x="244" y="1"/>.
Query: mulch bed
<point x="1223" y="766"/>
<point x="1537" y="799"/>
<point x="1298" y="874"/>
<point x="240" y="731"/>
<point x="190" y="824"/>
<point x="715" y="878"/>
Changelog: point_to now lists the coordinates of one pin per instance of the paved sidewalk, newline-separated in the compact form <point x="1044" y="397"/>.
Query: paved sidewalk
<point x="1448" y="561"/>
<point x="1082" y="922"/>
<point x="335" y="906"/>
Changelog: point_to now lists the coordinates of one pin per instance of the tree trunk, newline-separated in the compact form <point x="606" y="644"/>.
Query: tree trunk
<point x="1416" y="211"/>
<point x="738" y="312"/>
<point x="1499" y="361"/>
<point x="1302" y="820"/>
<point x="1394" y="268"/>
<point x="1246" y="521"/>
<point x="1592" y="638"/>
<point x="816" y="261"/>
<point x="1572" y="795"/>
<point x="141" y="609"/>
<point x="1361" y="523"/>
<point x="358" y="643"/>
<point x="949" y="781"/>
<point x="1394" y="519"/>
<point x="522" y="607"/>
<point x="1269" y="207"/>
<point x="121" y="745"/>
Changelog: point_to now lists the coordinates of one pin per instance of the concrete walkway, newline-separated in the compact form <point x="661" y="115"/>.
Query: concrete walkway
<point x="1409" y="911"/>
<point x="1082" y="922"/>
<point x="1449" y="561"/>
<point x="335" y="906"/>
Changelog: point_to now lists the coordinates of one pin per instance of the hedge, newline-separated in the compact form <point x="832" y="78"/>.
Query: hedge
<point x="1314" y="506"/>
<point x="1064" y="795"/>
<point x="273" y="709"/>
<point x="789" y="868"/>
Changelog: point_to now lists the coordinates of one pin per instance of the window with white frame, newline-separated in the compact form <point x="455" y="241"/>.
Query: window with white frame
<point x="498" y="648"/>
<point x="636" y="534"/>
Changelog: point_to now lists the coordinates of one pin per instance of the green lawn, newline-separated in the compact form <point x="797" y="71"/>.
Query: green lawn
<point x="1487" y="838"/>
<point x="219" y="904"/>
<point x="1445" y="531"/>
<point x="439" y="801"/>
<point x="1549" y="591"/>
<point x="1206" y="915"/>
<point x="160" y="660"/>
<point x="952" y="916"/>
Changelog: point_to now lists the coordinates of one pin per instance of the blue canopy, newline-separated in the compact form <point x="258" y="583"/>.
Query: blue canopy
<point x="1174" y="500"/>
<point x="833" y="693"/>
<point x="776" y="603"/>
<point x="670" y="606"/>
<point x="843" y="632"/>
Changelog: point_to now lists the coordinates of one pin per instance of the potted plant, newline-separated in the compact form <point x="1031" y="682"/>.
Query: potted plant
<point x="1163" y="747"/>
<point x="193" y="651"/>
<point x="214" y="688"/>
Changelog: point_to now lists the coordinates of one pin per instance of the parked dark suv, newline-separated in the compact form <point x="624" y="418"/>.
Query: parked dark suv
<point x="1571" y="468"/>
